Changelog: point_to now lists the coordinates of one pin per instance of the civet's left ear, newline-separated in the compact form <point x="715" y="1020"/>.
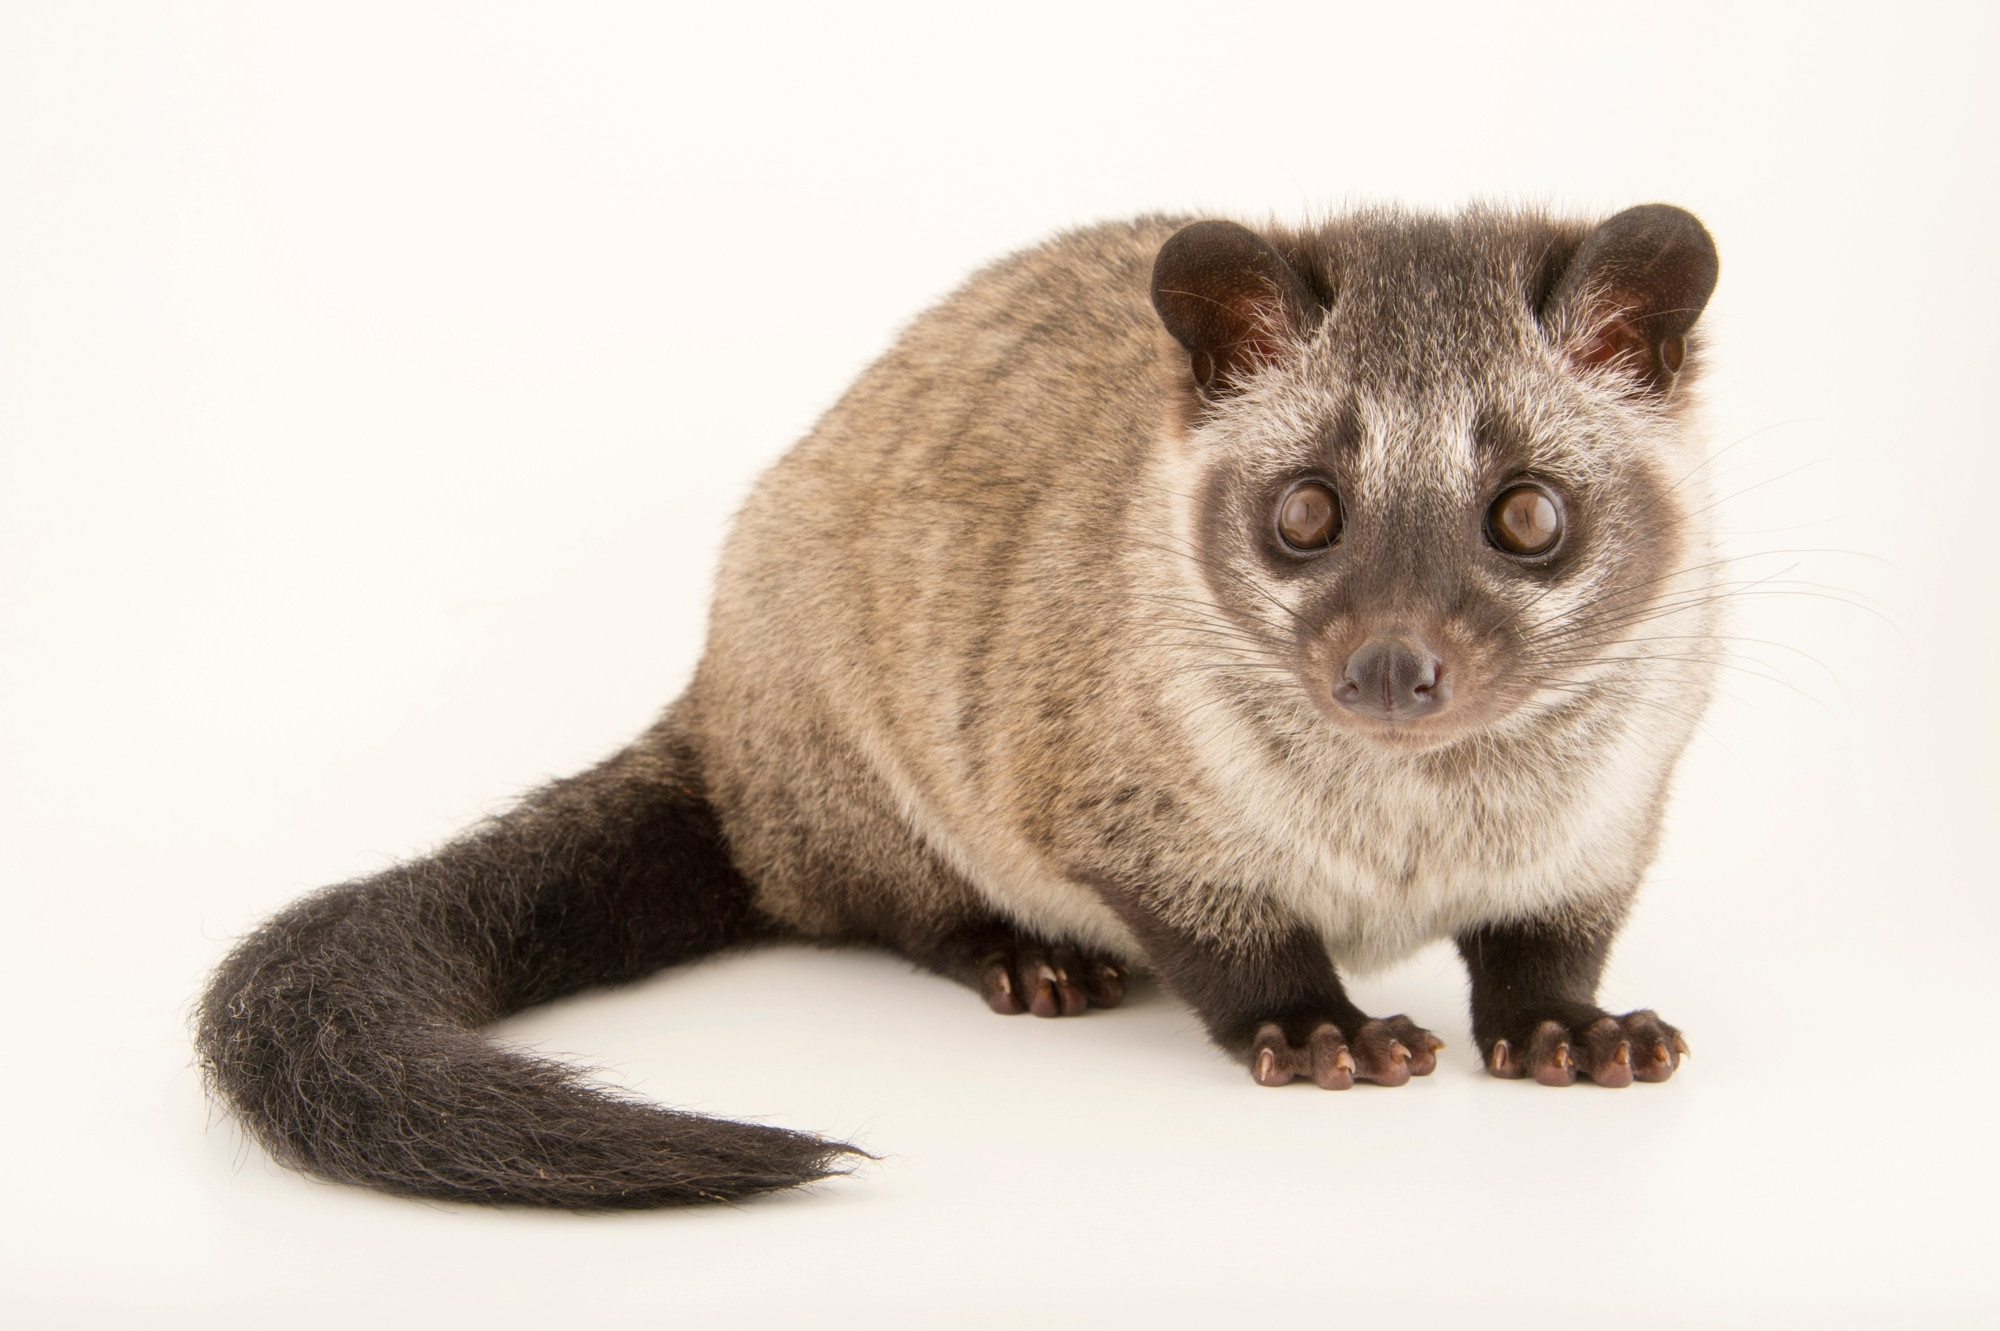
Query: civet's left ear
<point x="1231" y="301"/>
<point x="1631" y="292"/>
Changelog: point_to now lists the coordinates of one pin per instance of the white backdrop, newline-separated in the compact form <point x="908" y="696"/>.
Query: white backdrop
<point x="375" y="385"/>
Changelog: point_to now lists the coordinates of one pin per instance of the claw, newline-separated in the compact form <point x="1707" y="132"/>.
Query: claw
<point x="1501" y="1052"/>
<point x="1267" y="1067"/>
<point x="1660" y="1054"/>
<point x="1623" y="1056"/>
<point x="1397" y="1052"/>
<point x="1044" y="999"/>
<point x="1681" y="1046"/>
<point x="1555" y="1067"/>
<point x="999" y="992"/>
<point x="1337" y="1077"/>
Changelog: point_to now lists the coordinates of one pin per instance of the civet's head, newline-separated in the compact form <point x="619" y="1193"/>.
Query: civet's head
<point x="1439" y="460"/>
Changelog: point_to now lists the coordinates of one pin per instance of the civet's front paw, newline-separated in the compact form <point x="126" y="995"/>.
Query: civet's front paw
<point x="1388" y="1051"/>
<point x="1611" y="1051"/>
<point x="1049" y="980"/>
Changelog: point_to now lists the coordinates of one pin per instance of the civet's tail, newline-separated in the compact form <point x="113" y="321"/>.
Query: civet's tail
<point x="344" y="1033"/>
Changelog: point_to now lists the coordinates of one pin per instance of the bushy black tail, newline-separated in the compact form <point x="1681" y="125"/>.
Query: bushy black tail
<point x="344" y="1032"/>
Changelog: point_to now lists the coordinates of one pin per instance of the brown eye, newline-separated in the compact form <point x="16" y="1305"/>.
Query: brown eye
<point x="1309" y="516"/>
<point x="1525" y="520"/>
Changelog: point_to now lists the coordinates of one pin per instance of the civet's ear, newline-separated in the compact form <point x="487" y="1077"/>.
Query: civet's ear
<point x="1231" y="300"/>
<point x="1631" y="292"/>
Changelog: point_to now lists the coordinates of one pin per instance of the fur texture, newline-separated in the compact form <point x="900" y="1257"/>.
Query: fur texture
<point x="343" y="1033"/>
<point x="1009" y="670"/>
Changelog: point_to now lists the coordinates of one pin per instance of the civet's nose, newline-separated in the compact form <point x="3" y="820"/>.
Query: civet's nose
<point x="1393" y="679"/>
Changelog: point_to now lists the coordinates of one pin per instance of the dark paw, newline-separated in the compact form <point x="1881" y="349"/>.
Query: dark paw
<point x="1049" y="981"/>
<point x="1611" y="1051"/>
<point x="1388" y="1051"/>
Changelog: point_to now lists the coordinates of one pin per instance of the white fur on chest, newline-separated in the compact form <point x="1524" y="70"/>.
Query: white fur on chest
<point x="1379" y="864"/>
<point x="1381" y="859"/>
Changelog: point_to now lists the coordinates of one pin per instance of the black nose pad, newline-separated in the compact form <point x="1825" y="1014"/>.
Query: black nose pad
<point x="1393" y="679"/>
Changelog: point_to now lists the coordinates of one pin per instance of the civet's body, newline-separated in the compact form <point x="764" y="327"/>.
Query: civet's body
<point x="1242" y="606"/>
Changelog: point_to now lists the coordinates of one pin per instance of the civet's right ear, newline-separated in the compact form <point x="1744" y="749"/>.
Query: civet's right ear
<point x="1631" y="292"/>
<point x="1231" y="300"/>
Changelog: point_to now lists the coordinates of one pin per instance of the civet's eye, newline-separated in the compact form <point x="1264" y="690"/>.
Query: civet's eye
<point x="1525" y="520"/>
<point x="1309" y="516"/>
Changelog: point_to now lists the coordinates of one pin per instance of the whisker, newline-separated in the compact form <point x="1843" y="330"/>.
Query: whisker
<point x="1203" y="561"/>
<point x="1719" y="662"/>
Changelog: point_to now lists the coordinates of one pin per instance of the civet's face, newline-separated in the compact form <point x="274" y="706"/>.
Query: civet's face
<point x="1437" y="506"/>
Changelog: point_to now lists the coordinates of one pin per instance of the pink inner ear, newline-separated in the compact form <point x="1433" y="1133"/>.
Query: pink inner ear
<point x="1611" y="338"/>
<point x="1258" y="340"/>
